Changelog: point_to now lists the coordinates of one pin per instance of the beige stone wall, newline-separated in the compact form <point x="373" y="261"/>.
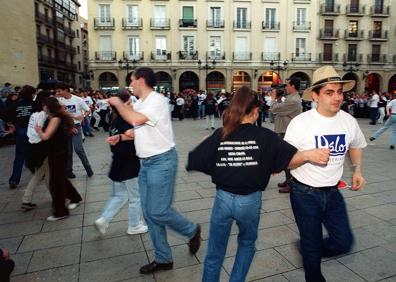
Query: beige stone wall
<point x="18" y="49"/>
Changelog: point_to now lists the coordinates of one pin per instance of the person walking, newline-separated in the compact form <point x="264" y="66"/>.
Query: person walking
<point x="373" y="107"/>
<point x="284" y="112"/>
<point x="78" y="109"/>
<point x="314" y="196"/>
<point x="391" y="121"/>
<point x="240" y="158"/>
<point x="155" y="147"/>
<point x="124" y="170"/>
<point x="210" y="105"/>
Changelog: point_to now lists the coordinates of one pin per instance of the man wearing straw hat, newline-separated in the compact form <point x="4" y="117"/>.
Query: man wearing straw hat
<point x="314" y="196"/>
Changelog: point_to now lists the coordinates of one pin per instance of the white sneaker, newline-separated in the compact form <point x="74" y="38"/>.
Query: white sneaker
<point x="54" y="218"/>
<point x="101" y="225"/>
<point x="138" y="229"/>
<point x="72" y="206"/>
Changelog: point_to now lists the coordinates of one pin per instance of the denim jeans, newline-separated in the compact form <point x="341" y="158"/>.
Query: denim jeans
<point x="87" y="129"/>
<point x="245" y="210"/>
<point x="313" y="207"/>
<point x="124" y="191"/>
<point x="201" y="111"/>
<point x="373" y="112"/>
<point x="389" y="122"/>
<point x="156" y="184"/>
<point x="77" y="143"/>
<point x="20" y="150"/>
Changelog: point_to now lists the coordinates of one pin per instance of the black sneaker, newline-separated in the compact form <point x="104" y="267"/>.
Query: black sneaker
<point x="391" y="147"/>
<point x="71" y="175"/>
<point x="13" y="185"/>
<point x="371" y="138"/>
<point x="90" y="172"/>
<point x="28" y="206"/>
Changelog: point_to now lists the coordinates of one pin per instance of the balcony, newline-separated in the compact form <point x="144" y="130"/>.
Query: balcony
<point x="270" y="56"/>
<point x="376" y="59"/>
<point x="46" y="60"/>
<point x="104" y="24"/>
<point x="215" y="24"/>
<point x="44" y="39"/>
<point x="241" y="56"/>
<point x="159" y="23"/>
<point x="380" y="11"/>
<point x="328" y="58"/>
<point x="128" y="24"/>
<point x="329" y="34"/>
<point x="133" y="56"/>
<point x="188" y="55"/>
<point x="302" y="26"/>
<point x="106" y="56"/>
<point x="161" y="56"/>
<point x="40" y="17"/>
<point x="215" y="55"/>
<point x="270" y="26"/>
<point x="355" y="11"/>
<point x="378" y="35"/>
<point x="326" y="10"/>
<point x="357" y="58"/>
<point x="69" y="32"/>
<point x="188" y="23"/>
<point x="354" y="36"/>
<point x="301" y="57"/>
<point x="71" y="49"/>
<point x="242" y="25"/>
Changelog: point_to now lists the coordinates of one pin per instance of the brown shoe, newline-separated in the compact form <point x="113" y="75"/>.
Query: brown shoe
<point x="195" y="241"/>
<point x="282" y="184"/>
<point x="155" y="266"/>
<point x="284" y="189"/>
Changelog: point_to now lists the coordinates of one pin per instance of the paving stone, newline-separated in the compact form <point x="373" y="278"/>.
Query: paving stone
<point x="187" y="195"/>
<point x="265" y="263"/>
<point x="207" y="193"/>
<point x="115" y="229"/>
<point x="366" y="240"/>
<point x="360" y="218"/>
<point x="385" y="212"/>
<point x="276" y="204"/>
<point x="193" y="205"/>
<point x="380" y="261"/>
<point x="173" y="240"/>
<point x="364" y="201"/>
<point x="291" y="254"/>
<point x="190" y="274"/>
<point x="71" y="222"/>
<point x="390" y="247"/>
<point x="95" y="207"/>
<point x="21" y="262"/>
<point x="272" y="219"/>
<point x="61" y="274"/>
<point x="113" y="269"/>
<point x="50" y="239"/>
<point x="200" y="216"/>
<point x="275" y="236"/>
<point x="97" y="197"/>
<point x="11" y="244"/>
<point x="181" y="256"/>
<point x="275" y="278"/>
<point x="383" y="230"/>
<point x="111" y="247"/>
<point x="55" y="257"/>
<point x="18" y="229"/>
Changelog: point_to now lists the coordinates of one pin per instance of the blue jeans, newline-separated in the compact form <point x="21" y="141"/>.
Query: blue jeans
<point x="124" y="191"/>
<point x="313" y="207"/>
<point x="373" y="113"/>
<point x="87" y="129"/>
<point x="245" y="210"/>
<point x="156" y="184"/>
<point x="20" y="149"/>
<point x="201" y="111"/>
<point x="389" y="122"/>
<point x="77" y="143"/>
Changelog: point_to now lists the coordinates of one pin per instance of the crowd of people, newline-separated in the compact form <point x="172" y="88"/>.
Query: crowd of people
<point x="311" y="137"/>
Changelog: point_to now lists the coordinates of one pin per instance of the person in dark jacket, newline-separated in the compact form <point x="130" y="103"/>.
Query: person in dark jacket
<point x="240" y="158"/>
<point x="210" y="110"/>
<point x="6" y="265"/>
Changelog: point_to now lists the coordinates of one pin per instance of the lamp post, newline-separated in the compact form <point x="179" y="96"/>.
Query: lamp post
<point x="276" y="65"/>
<point x="124" y="64"/>
<point x="207" y="66"/>
<point x="350" y="67"/>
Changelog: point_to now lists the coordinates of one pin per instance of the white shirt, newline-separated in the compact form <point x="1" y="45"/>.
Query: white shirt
<point x="374" y="101"/>
<point x="311" y="130"/>
<point x="75" y="106"/>
<point x="102" y="105"/>
<point x="37" y="118"/>
<point x="88" y="100"/>
<point x="201" y="98"/>
<point x="268" y="100"/>
<point x="180" y="101"/>
<point x="156" y="135"/>
<point x="392" y="106"/>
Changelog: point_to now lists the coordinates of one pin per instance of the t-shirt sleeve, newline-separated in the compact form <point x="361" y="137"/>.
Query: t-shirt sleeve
<point x="83" y="105"/>
<point x="292" y="134"/>
<point x="153" y="110"/>
<point x="282" y="153"/>
<point x="358" y="140"/>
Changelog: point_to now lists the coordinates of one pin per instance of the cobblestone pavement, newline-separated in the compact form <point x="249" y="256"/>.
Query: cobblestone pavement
<point x="72" y="250"/>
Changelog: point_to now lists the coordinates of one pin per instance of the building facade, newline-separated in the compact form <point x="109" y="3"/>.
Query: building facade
<point x="221" y="44"/>
<point x="56" y="27"/>
<point x="18" y="56"/>
<point x="83" y="79"/>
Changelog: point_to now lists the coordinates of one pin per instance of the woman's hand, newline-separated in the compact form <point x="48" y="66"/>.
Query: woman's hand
<point x="113" y="140"/>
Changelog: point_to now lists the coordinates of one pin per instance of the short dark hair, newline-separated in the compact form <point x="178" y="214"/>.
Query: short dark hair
<point x="147" y="74"/>
<point x="316" y="89"/>
<point x="7" y="84"/>
<point x="62" y="86"/>
<point x="295" y="81"/>
<point x="27" y="92"/>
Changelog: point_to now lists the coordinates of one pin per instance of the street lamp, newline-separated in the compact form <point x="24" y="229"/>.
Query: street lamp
<point x="350" y="67"/>
<point x="124" y="64"/>
<point x="278" y="66"/>
<point x="207" y="66"/>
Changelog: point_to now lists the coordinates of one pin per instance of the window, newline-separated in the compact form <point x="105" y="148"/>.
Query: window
<point x="241" y="48"/>
<point x="377" y="28"/>
<point x="352" y="53"/>
<point x="60" y="36"/>
<point x="301" y="16"/>
<point x="300" y="47"/>
<point x="327" y="52"/>
<point x="188" y="45"/>
<point x="378" y="6"/>
<point x="160" y="47"/>
<point x="214" y="47"/>
<point x="354" y="6"/>
<point x="104" y="14"/>
<point x="133" y="14"/>
<point x="105" y="46"/>
<point x="133" y="48"/>
<point x="159" y="15"/>
<point x="353" y="28"/>
<point x="329" y="5"/>
<point x="375" y="54"/>
<point x="328" y="29"/>
<point x="78" y="33"/>
<point x="270" y="18"/>
<point x="270" y="49"/>
<point x="241" y="18"/>
<point x="79" y="65"/>
<point x="215" y="16"/>
<point x="78" y="50"/>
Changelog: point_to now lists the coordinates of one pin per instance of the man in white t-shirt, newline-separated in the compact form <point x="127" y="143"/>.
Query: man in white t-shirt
<point x="87" y="129"/>
<point x="201" y="106"/>
<point x="155" y="146"/>
<point x="373" y="107"/>
<point x="315" y="198"/>
<point x="180" y="107"/>
<point x="78" y="109"/>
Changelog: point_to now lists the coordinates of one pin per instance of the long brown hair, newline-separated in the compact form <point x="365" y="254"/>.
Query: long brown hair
<point x="57" y="110"/>
<point x="242" y="104"/>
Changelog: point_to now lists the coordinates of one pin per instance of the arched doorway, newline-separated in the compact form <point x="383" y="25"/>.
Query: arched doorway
<point x="239" y="79"/>
<point x="267" y="79"/>
<point x="108" y="81"/>
<point x="373" y="82"/>
<point x="188" y="80"/>
<point x="305" y="82"/>
<point x="392" y="85"/>
<point x="351" y="76"/>
<point x="164" y="82"/>
<point x="215" y="81"/>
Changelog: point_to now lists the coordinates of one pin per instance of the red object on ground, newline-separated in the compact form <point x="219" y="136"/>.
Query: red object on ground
<point x="342" y="184"/>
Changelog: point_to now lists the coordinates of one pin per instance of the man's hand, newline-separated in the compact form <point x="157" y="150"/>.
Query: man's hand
<point x="357" y="181"/>
<point x="112" y="140"/>
<point x="318" y="156"/>
<point x="115" y="101"/>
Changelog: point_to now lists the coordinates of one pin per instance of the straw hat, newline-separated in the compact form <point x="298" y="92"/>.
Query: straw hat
<point x="325" y="75"/>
